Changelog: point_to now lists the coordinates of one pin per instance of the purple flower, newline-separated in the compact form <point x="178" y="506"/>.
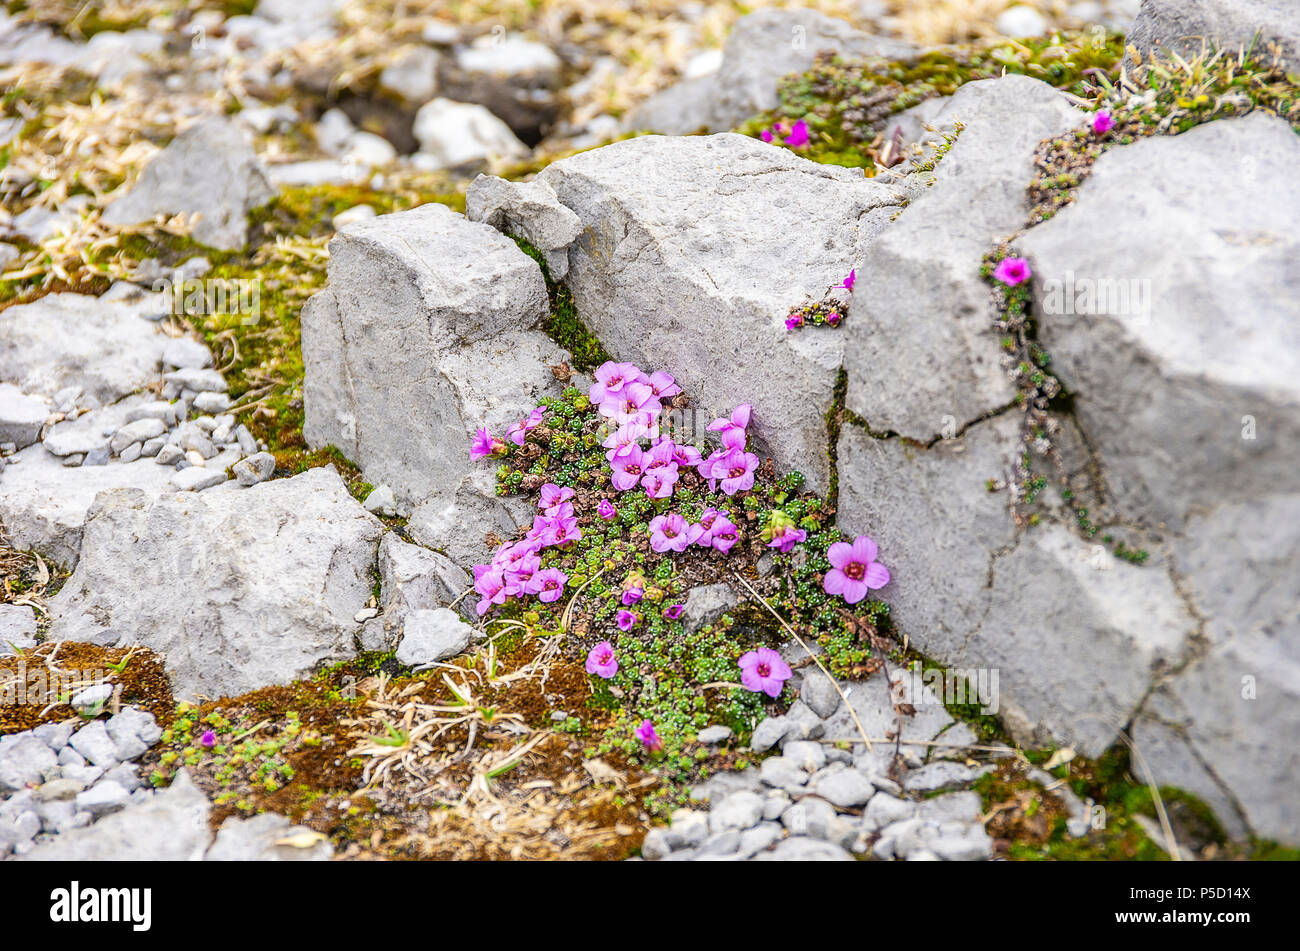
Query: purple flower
<point x="725" y="534"/>
<point x="648" y="737"/>
<point x="663" y="385"/>
<point x="552" y="495"/>
<point x="734" y="429"/>
<point x="491" y="583"/>
<point x="833" y="318"/>
<point x="763" y="671"/>
<point x="484" y="444"/>
<point x="611" y="378"/>
<point x="686" y="456"/>
<point x="786" y="537"/>
<point x="674" y="612"/>
<point x="660" y="470"/>
<point x="520" y="430"/>
<point x="766" y="135"/>
<point x="626" y="435"/>
<point x="547" y="584"/>
<point x="794" y="321"/>
<point x="633" y="594"/>
<point x="626" y="620"/>
<point x="854" y="569"/>
<point x="1103" y="122"/>
<point x="798" y="136"/>
<point x="601" y="660"/>
<point x="1012" y="271"/>
<point x="628" y="467"/>
<point x="208" y="739"/>
<point x="851" y="280"/>
<point x="710" y="518"/>
<point x="671" y="533"/>
<point x="606" y="510"/>
<point x="736" y="470"/>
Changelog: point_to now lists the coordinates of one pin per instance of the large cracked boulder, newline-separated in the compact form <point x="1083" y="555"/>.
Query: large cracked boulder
<point x="692" y="253"/>
<point x="762" y="49"/>
<point x="1186" y="27"/>
<point x="1180" y="333"/>
<point x="239" y="588"/>
<point x="426" y="331"/>
<point x="209" y="171"/>
<point x="922" y="353"/>
<point x="1176" y="338"/>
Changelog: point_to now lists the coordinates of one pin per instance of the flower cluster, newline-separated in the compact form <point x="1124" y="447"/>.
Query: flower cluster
<point x="829" y="312"/>
<point x="794" y="135"/>
<point x="516" y="569"/>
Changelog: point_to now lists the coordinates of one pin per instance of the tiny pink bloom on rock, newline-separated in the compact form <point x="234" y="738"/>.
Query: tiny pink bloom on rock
<point x="851" y="280"/>
<point x="1012" y="271"/>
<point x="601" y="660"/>
<point x="794" y="322"/>
<point x="208" y="739"/>
<point x="483" y="445"/>
<point x="648" y="737"/>
<point x="626" y="620"/>
<point x="606" y="510"/>
<point x="833" y="318"/>
<point x="798" y="136"/>
<point x="763" y="671"/>
<point x="854" y="569"/>
<point x="766" y="135"/>
<point x="1103" y="122"/>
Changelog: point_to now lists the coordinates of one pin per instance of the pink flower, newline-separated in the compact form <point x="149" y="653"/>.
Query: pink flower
<point x="854" y="569"/>
<point x="208" y="739"/>
<point x="601" y="660"/>
<point x="851" y="280"/>
<point x="626" y="435"/>
<point x="660" y="470"/>
<point x="674" y="612"/>
<point x="736" y="470"/>
<point x="671" y="533"/>
<point x="798" y="136"/>
<point x="484" y="444"/>
<point x="1012" y="271"/>
<point x="766" y="135"/>
<point x="632" y="595"/>
<point x="763" y="671"/>
<point x="1103" y="122"/>
<point x="686" y="456"/>
<point x="547" y="584"/>
<point x="606" y="510"/>
<point x="833" y="319"/>
<point x="705" y="526"/>
<point x="626" y="620"/>
<point x="520" y="430"/>
<point x="663" y="385"/>
<point x="628" y="467"/>
<point x="786" y="538"/>
<point x="611" y="377"/>
<point x="552" y="495"/>
<point x="734" y="429"/>
<point x="491" y="583"/>
<point x="725" y="534"/>
<point x="794" y="322"/>
<point x="648" y="737"/>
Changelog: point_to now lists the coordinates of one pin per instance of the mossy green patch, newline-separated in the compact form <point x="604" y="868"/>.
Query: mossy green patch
<point x="846" y="103"/>
<point x="563" y="325"/>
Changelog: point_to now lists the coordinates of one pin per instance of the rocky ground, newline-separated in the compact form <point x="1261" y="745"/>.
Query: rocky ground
<point x="832" y="431"/>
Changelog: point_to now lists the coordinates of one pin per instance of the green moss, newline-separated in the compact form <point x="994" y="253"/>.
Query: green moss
<point x="563" y="325"/>
<point x="846" y="103"/>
